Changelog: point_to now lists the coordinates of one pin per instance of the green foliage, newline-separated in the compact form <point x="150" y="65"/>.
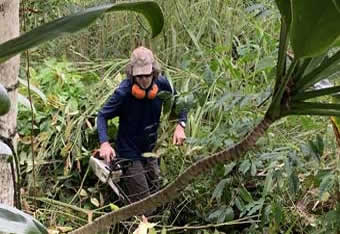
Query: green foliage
<point x="285" y="8"/>
<point x="13" y="220"/>
<point x="73" y="23"/>
<point x="315" y="26"/>
<point x="220" y="57"/>
<point x="64" y="127"/>
<point x="326" y="185"/>
<point x="317" y="148"/>
<point x="331" y="221"/>
<point x="5" y="102"/>
<point x="291" y="83"/>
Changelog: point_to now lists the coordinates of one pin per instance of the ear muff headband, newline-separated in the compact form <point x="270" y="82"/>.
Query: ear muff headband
<point x="152" y="93"/>
<point x="139" y="93"/>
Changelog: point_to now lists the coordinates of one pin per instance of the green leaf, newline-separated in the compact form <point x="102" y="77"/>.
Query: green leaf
<point x="5" y="102"/>
<point x="13" y="220"/>
<point x="337" y="43"/>
<point x="320" y="144"/>
<point x="245" y="166"/>
<point x="168" y="100"/>
<point x="163" y="230"/>
<point x="265" y="63"/>
<point x="316" y="111"/>
<point x="313" y="148"/>
<point x="184" y="103"/>
<point x="268" y="183"/>
<point x="331" y="219"/>
<point x="316" y="147"/>
<point x="329" y="67"/>
<point x="308" y="65"/>
<point x="315" y="26"/>
<point x="114" y="207"/>
<point x="239" y="204"/>
<point x="316" y="93"/>
<point x="309" y="108"/>
<point x="25" y="102"/>
<point x="228" y="168"/>
<point x="314" y="63"/>
<point x="255" y="208"/>
<point x="228" y="215"/>
<point x="150" y="155"/>
<point x="217" y="213"/>
<point x="285" y="10"/>
<point x="34" y="89"/>
<point x="253" y="168"/>
<point x="325" y="196"/>
<point x="326" y="185"/>
<point x="278" y="212"/>
<point x="73" y="23"/>
<point x="245" y="195"/>
<point x="318" y="178"/>
<point x="251" y="208"/>
<point x="222" y="214"/>
<point x="316" y="105"/>
<point x="274" y="110"/>
<point x="218" y="192"/>
<point x="293" y="182"/>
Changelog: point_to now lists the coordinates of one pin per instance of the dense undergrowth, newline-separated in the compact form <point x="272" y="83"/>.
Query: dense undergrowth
<point x="221" y="57"/>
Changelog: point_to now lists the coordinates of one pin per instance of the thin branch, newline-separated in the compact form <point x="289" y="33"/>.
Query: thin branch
<point x="81" y="184"/>
<point x="246" y="220"/>
<point x="32" y="111"/>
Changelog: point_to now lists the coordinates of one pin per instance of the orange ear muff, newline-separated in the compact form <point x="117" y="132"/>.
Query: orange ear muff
<point x="153" y="92"/>
<point x="139" y="93"/>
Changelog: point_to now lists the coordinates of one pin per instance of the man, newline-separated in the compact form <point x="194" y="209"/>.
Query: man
<point x="138" y="107"/>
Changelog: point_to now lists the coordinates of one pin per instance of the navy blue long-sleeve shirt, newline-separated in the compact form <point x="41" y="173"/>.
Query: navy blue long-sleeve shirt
<point x="138" y="119"/>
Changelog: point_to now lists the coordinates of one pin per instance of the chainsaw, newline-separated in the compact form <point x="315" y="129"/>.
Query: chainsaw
<point x="110" y="173"/>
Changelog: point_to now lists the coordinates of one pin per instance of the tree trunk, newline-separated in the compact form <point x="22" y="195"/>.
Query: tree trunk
<point x="9" y="28"/>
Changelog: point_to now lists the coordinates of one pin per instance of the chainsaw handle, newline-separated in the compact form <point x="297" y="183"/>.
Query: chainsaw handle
<point x="96" y="154"/>
<point x="121" y="164"/>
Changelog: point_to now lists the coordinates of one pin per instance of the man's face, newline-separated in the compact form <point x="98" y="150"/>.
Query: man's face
<point x="144" y="81"/>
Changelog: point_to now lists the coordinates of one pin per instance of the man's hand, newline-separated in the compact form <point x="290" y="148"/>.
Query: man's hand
<point x="179" y="135"/>
<point x="107" y="152"/>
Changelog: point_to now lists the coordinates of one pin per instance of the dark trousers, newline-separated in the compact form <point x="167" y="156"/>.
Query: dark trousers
<point x="141" y="179"/>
